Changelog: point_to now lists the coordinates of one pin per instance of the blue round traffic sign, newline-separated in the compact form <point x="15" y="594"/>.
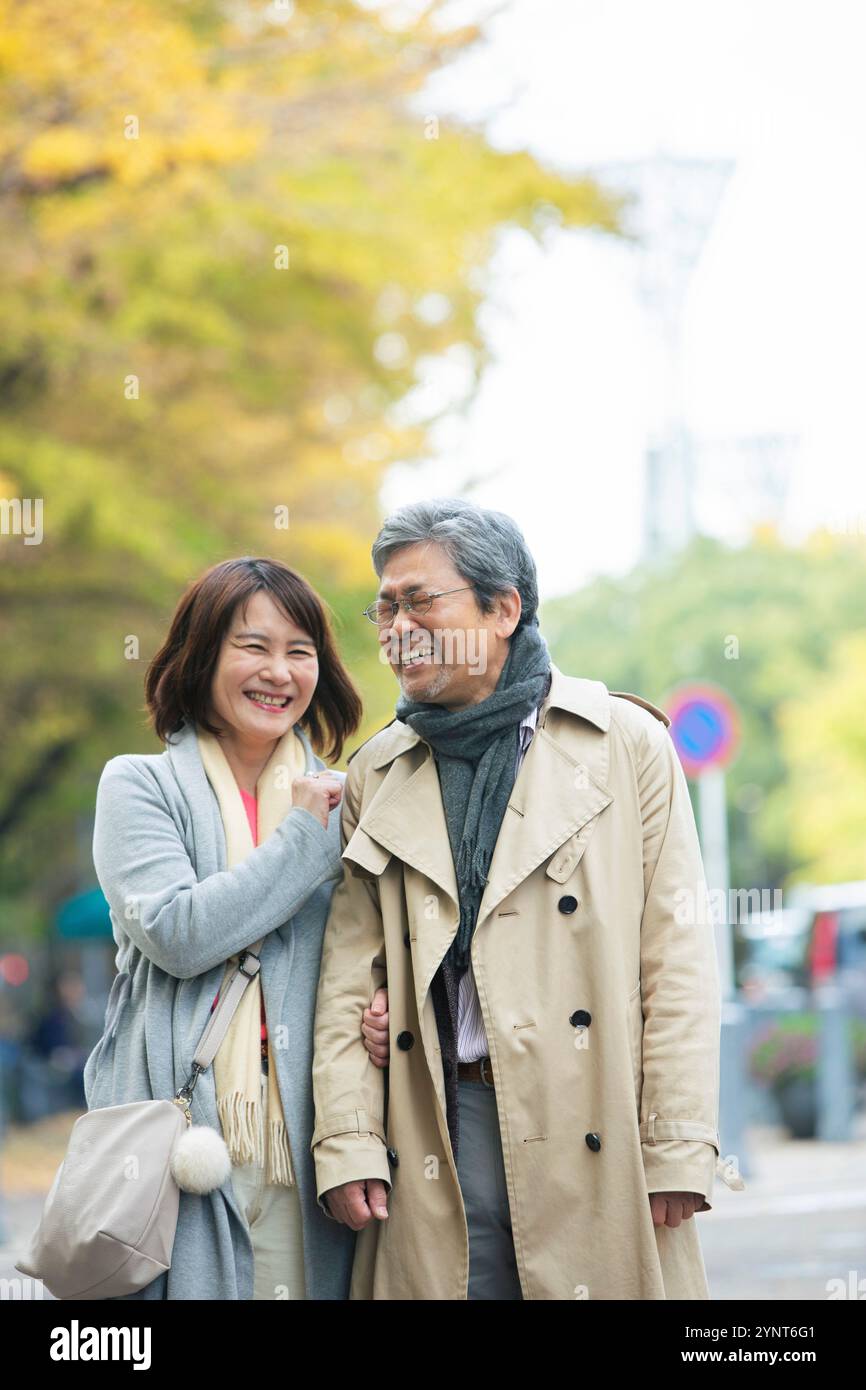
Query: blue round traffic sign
<point x="704" y="727"/>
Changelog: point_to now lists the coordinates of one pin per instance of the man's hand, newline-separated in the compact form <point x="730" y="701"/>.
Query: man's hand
<point x="670" y="1208"/>
<point x="374" y="1028"/>
<point x="356" y="1204"/>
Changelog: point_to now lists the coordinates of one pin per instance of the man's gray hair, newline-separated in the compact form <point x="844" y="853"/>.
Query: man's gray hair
<point x="486" y="547"/>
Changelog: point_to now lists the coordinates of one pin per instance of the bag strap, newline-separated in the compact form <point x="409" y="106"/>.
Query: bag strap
<point x="248" y="966"/>
<point x="246" y="969"/>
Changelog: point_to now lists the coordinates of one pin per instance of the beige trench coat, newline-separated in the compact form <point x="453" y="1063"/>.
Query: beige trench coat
<point x="600" y="813"/>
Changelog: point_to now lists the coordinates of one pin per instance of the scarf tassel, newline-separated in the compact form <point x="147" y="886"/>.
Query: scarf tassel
<point x="279" y="1155"/>
<point x="472" y="864"/>
<point x="473" y="861"/>
<point x="242" y="1134"/>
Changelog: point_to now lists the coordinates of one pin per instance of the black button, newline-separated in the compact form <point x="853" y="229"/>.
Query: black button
<point x="581" y="1018"/>
<point x="406" y="939"/>
<point x="568" y="904"/>
<point x="392" y="1157"/>
<point x="405" y="1041"/>
<point x="594" y="1142"/>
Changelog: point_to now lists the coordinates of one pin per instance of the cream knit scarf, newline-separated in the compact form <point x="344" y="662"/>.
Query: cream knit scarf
<point x="237" y="1064"/>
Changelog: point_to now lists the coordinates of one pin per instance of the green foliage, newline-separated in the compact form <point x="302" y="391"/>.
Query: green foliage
<point x="824" y="743"/>
<point x="762" y="621"/>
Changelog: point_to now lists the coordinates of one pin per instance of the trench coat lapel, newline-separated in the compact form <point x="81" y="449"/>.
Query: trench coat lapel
<point x="409" y="823"/>
<point x="553" y="805"/>
<point x="551" y="813"/>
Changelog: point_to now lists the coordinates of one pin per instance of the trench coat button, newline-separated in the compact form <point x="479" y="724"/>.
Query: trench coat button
<point x="581" y="1018"/>
<point x="405" y="1040"/>
<point x="406" y="939"/>
<point x="392" y="1157"/>
<point x="567" y="904"/>
<point x="594" y="1142"/>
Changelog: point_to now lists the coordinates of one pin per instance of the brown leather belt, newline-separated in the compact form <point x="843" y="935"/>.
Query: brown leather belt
<point x="476" y="1071"/>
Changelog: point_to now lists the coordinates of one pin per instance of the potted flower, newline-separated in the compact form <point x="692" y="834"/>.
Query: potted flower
<point x="784" y="1058"/>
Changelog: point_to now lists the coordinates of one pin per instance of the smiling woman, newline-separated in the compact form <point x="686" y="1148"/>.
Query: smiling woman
<point x="265" y="679"/>
<point x="220" y="852"/>
<point x="252" y="628"/>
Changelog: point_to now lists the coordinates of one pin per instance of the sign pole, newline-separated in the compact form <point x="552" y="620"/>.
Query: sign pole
<point x="712" y="810"/>
<point x="705" y="729"/>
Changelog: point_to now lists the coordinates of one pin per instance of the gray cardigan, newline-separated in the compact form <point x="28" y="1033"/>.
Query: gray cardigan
<point x="177" y="913"/>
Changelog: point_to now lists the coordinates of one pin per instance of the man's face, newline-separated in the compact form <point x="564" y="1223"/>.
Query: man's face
<point x="453" y="654"/>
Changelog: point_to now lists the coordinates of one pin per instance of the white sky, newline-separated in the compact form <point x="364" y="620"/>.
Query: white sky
<point x="775" y="316"/>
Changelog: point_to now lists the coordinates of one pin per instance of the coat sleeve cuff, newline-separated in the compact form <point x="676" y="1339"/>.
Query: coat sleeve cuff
<point x="348" y="1157"/>
<point x="681" y="1165"/>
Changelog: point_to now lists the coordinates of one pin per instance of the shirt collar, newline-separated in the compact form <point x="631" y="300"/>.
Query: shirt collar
<point x="530" y="720"/>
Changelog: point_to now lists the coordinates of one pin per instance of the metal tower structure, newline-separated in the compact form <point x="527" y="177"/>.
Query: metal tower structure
<point x="674" y="201"/>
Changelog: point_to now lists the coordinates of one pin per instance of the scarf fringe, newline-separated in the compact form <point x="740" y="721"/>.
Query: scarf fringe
<point x="239" y="1120"/>
<point x="472" y="864"/>
<point x="279" y="1154"/>
<point x="242" y="1133"/>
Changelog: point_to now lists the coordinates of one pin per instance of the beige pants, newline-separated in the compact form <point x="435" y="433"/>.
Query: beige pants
<point x="273" y="1214"/>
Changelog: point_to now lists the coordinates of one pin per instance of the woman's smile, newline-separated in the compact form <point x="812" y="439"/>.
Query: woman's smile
<point x="265" y="700"/>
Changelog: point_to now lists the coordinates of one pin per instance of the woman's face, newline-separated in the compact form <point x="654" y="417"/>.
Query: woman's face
<point x="264" y="654"/>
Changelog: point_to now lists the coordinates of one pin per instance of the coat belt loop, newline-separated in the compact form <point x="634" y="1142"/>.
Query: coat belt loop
<point x="651" y="1128"/>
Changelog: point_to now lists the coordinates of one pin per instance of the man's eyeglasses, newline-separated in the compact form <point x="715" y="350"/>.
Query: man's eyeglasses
<point x="384" y="611"/>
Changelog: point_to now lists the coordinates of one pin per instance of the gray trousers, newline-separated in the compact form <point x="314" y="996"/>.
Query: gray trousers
<point x="481" y="1171"/>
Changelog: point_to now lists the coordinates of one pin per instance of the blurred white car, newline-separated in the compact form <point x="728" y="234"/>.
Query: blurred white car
<point x="772" y="953"/>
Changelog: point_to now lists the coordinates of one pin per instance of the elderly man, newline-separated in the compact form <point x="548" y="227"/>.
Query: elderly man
<point x="523" y="873"/>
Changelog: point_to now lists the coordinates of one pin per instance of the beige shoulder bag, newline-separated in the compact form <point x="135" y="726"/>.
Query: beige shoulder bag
<point x="109" y="1220"/>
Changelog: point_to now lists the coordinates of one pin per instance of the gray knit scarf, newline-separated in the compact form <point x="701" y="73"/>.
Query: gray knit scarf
<point x="475" y="752"/>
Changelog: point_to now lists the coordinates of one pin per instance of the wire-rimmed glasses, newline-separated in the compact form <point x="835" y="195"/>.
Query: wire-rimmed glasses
<point x="384" y="610"/>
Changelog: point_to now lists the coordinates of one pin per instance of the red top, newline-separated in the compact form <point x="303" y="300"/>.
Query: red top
<point x="252" y="810"/>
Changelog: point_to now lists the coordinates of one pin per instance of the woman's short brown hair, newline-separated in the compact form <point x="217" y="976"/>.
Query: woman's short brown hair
<point x="178" y="682"/>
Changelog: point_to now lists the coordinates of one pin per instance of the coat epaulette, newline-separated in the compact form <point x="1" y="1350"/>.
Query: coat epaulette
<point x="639" y="700"/>
<point x="367" y="740"/>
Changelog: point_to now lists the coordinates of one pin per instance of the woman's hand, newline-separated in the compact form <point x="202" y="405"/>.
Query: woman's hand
<point x="374" y="1029"/>
<point x="318" y="793"/>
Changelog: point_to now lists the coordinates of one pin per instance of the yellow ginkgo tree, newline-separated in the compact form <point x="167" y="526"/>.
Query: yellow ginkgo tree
<point x="824" y="739"/>
<point x="223" y="228"/>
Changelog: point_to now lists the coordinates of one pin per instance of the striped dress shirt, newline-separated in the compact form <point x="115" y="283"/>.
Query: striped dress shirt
<point x="471" y="1034"/>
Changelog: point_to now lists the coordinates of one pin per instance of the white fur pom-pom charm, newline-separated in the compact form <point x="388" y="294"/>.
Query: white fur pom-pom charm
<point x="200" y="1160"/>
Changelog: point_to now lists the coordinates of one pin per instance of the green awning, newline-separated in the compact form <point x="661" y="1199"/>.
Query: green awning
<point x="85" y="915"/>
